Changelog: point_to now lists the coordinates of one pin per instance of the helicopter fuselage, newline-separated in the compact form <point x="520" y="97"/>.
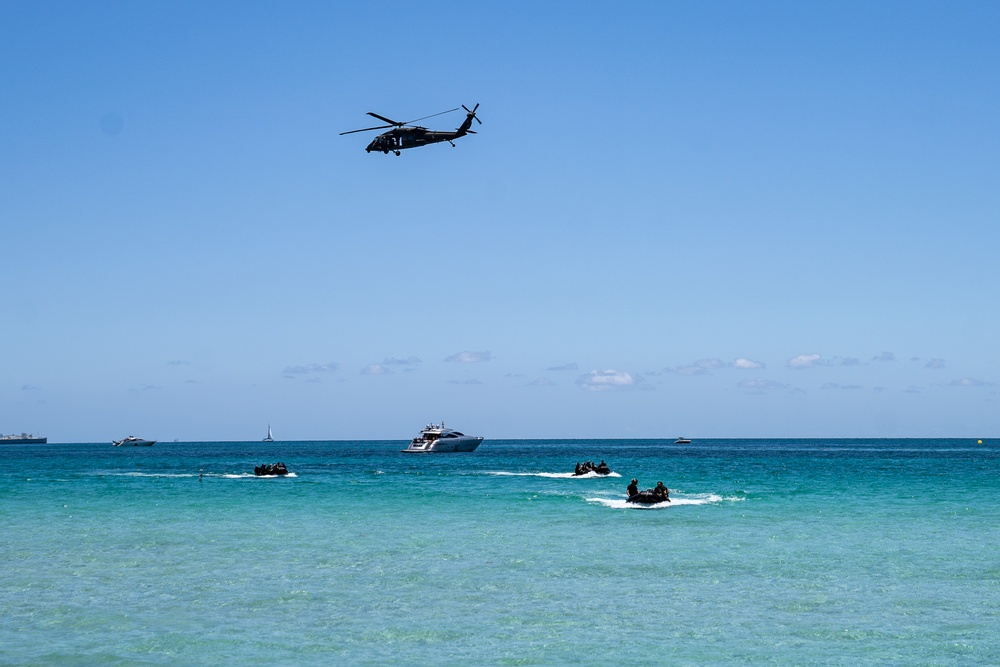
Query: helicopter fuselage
<point x="401" y="138"/>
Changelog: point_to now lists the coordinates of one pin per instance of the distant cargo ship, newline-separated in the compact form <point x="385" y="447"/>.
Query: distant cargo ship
<point x="23" y="439"/>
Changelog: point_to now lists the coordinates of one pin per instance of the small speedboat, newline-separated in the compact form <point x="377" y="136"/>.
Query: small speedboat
<point x="134" y="442"/>
<point x="438" y="438"/>
<point x="682" y="441"/>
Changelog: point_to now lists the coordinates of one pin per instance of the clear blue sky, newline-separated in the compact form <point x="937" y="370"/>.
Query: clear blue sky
<point x="716" y="219"/>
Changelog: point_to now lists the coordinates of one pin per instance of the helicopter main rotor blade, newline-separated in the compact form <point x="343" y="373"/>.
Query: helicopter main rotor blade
<point x="431" y="116"/>
<point x="384" y="119"/>
<point x="366" y="129"/>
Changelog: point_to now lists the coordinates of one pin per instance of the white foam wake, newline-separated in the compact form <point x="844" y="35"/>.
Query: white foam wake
<point x="622" y="504"/>
<point x="555" y="475"/>
<point x="250" y="475"/>
<point x="151" y="474"/>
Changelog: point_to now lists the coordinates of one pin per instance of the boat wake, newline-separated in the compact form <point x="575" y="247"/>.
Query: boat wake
<point x="151" y="474"/>
<point x="250" y="475"/>
<point x="554" y="475"/>
<point x="622" y="504"/>
<point x="168" y="475"/>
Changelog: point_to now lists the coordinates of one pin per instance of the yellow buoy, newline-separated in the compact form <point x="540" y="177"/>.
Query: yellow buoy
<point x="980" y="442"/>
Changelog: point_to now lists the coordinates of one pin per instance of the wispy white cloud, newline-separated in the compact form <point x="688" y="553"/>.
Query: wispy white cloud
<point x="178" y="362"/>
<point x="935" y="363"/>
<point x="969" y="382"/>
<point x="565" y="367"/>
<point x="761" y="385"/>
<point x="384" y="368"/>
<point x="30" y="387"/>
<point x="805" y="361"/>
<point x="312" y="368"/>
<point x="706" y="366"/>
<point x="834" y="385"/>
<point x="541" y="382"/>
<point x="607" y="380"/>
<point x="469" y="357"/>
<point x="885" y="356"/>
<point x="409" y="361"/>
<point x="470" y="381"/>
<point x="700" y="367"/>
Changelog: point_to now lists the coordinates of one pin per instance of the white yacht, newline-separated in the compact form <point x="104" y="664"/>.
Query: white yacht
<point x="682" y="441"/>
<point x="438" y="438"/>
<point x="134" y="442"/>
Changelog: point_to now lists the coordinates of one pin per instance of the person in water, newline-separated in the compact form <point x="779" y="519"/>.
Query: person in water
<point x="633" y="488"/>
<point x="661" y="491"/>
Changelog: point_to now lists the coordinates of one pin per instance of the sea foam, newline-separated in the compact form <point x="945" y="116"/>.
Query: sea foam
<point x="556" y="475"/>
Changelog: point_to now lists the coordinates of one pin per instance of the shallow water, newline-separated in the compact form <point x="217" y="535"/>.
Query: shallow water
<point x="771" y="552"/>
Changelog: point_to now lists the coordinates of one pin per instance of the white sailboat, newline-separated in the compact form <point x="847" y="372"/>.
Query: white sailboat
<point x="269" y="438"/>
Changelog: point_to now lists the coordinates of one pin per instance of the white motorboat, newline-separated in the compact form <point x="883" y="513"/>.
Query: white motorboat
<point x="438" y="438"/>
<point x="682" y="441"/>
<point x="269" y="438"/>
<point x="134" y="442"/>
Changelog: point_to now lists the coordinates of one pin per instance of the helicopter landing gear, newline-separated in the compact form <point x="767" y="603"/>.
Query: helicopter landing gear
<point x="396" y="152"/>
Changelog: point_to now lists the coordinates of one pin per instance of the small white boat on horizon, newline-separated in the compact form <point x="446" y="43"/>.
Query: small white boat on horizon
<point x="269" y="438"/>
<point x="438" y="438"/>
<point x="682" y="441"/>
<point x="134" y="442"/>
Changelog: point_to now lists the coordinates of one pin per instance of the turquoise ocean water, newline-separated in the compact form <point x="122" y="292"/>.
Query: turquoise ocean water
<point x="773" y="552"/>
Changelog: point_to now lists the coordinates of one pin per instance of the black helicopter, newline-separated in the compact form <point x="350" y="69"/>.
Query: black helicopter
<point x="406" y="135"/>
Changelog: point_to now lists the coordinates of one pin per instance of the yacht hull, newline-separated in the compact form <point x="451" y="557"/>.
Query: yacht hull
<point x="135" y="442"/>
<point x="466" y="444"/>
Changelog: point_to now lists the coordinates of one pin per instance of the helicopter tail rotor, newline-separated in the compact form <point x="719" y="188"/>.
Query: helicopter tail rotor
<point x="472" y="112"/>
<point x="467" y="123"/>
